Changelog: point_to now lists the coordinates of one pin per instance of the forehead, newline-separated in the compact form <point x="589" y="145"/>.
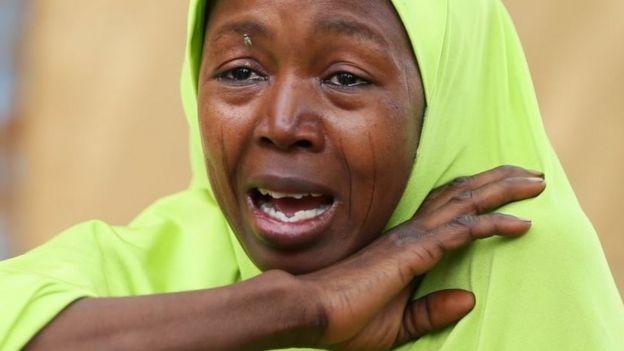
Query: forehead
<point x="374" y="20"/>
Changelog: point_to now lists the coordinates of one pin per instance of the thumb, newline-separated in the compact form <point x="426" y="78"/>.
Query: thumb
<point x="434" y="311"/>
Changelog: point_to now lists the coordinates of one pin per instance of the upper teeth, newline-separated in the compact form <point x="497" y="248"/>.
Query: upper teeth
<point x="278" y="195"/>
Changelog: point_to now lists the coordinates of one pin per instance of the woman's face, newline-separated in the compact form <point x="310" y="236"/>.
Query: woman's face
<point x="310" y="113"/>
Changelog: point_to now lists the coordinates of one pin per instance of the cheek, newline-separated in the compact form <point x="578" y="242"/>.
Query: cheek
<point x="394" y="152"/>
<point x="380" y="151"/>
<point x="384" y="143"/>
<point x="225" y="135"/>
<point x="391" y="148"/>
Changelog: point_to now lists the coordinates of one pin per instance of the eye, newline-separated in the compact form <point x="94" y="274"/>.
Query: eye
<point x="241" y="76"/>
<point x="346" y="80"/>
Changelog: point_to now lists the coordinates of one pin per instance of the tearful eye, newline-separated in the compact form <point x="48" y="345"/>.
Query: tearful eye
<point x="241" y="75"/>
<point x="346" y="80"/>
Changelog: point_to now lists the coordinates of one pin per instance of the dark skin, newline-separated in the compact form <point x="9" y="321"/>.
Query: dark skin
<point x="343" y="286"/>
<point x="313" y="105"/>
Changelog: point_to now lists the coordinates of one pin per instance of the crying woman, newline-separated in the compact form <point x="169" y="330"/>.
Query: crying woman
<point x="348" y="193"/>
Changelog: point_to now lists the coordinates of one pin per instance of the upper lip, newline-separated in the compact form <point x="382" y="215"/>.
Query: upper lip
<point x="289" y="184"/>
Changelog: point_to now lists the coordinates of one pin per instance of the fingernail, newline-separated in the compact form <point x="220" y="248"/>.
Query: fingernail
<point x="524" y="219"/>
<point x="535" y="180"/>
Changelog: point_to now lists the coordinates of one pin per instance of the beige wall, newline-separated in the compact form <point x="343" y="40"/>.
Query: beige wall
<point x="103" y="131"/>
<point x="104" y="135"/>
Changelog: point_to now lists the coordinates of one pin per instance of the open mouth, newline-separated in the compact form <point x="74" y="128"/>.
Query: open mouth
<point x="290" y="213"/>
<point x="290" y="207"/>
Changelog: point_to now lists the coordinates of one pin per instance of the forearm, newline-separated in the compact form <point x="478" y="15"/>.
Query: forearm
<point x="270" y="311"/>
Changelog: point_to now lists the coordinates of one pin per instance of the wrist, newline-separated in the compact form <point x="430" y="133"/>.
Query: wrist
<point x="298" y="315"/>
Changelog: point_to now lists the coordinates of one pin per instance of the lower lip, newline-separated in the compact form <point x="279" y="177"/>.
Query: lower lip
<point x="290" y="236"/>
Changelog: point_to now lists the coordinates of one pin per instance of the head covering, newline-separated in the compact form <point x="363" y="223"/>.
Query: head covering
<point x="549" y="290"/>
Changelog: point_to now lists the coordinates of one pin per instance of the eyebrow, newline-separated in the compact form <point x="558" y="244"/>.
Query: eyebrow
<point x="351" y="28"/>
<point x="329" y="25"/>
<point x="243" y="27"/>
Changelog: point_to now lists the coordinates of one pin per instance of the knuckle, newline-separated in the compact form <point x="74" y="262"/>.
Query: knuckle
<point x="399" y="238"/>
<point x="467" y="201"/>
<point x="456" y="200"/>
<point x="459" y="199"/>
<point x="467" y="195"/>
<point x="466" y="225"/>
<point x="407" y="234"/>
<point x="462" y="182"/>
<point x="464" y="221"/>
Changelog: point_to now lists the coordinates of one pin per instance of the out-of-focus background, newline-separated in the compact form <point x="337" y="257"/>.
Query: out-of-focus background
<point x="91" y="125"/>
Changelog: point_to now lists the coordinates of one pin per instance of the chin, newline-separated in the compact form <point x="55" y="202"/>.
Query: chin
<point x="325" y="251"/>
<point x="295" y="261"/>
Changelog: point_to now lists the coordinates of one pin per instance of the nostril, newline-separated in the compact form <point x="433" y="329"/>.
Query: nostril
<point x="266" y="141"/>
<point x="304" y="144"/>
<point x="299" y="144"/>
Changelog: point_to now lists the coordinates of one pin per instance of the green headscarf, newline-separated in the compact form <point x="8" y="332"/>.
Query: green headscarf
<point x="549" y="290"/>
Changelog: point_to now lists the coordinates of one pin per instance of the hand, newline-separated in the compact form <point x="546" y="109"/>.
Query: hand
<point x="364" y="301"/>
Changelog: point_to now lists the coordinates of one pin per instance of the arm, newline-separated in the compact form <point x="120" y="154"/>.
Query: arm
<point x="361" y="301"/>
<point x="265" y="312"/>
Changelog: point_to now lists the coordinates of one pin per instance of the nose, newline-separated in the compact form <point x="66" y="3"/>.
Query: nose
<point x="289" y="117"/>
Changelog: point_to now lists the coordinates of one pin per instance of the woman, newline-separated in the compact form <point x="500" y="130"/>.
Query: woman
<point x="314" y="138"/>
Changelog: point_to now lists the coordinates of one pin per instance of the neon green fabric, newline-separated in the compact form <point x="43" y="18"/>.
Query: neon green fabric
<point x="549" y="290"/>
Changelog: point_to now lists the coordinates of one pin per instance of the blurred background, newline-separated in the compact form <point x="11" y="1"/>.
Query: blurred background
<point x="91" y="124"/>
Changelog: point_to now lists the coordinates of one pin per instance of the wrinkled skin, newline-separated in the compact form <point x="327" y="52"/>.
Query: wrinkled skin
<point x="326" y="96"/>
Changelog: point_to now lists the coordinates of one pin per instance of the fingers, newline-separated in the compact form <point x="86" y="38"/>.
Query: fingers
<point x="486" y="198"/>
<point x="467" y="228"/>
<point x="427" y="247"/>
<point x="433" y="312"/>
<point x="464" y="217"/>
<point x="459" y="186"/>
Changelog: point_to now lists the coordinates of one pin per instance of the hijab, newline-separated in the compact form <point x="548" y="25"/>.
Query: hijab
<point x="549" y="290"/>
